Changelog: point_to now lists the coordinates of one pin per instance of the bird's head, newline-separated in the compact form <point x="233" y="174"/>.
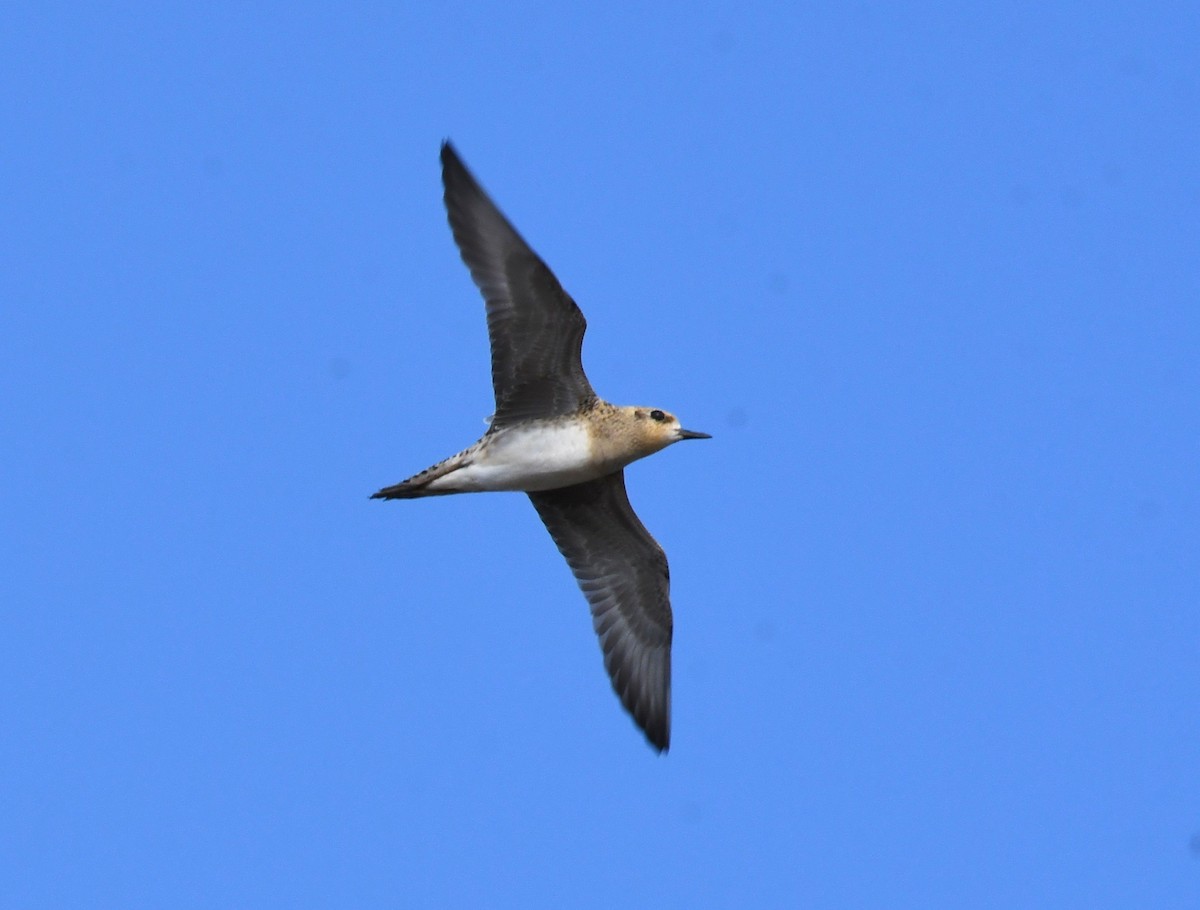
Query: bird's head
<point x="655" y="429"/>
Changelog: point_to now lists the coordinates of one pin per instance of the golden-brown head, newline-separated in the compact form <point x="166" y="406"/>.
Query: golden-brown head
<point x="630" y="433"/>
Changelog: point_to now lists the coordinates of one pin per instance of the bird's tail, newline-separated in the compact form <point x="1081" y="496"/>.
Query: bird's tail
<point x="418" y="485"/>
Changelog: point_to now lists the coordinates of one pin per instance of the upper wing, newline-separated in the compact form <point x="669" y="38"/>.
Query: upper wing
<point x="535" y="328"/>
<point x="623" y="573"/>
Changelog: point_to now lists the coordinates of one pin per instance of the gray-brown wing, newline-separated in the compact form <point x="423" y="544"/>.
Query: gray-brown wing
<point x="535" y="328"/>
<point x="623" y="573"/>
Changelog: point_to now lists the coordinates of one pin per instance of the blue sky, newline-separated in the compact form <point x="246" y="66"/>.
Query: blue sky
<point x="929" y="276"/>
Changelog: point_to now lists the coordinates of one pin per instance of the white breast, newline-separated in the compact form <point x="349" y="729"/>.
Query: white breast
<point x="536" y="456"/>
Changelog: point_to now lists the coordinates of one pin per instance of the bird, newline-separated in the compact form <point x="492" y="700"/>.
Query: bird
<point x="553" y="438"/>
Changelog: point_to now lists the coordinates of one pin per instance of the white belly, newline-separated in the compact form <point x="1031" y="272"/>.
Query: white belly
<point x="530" y="458"/>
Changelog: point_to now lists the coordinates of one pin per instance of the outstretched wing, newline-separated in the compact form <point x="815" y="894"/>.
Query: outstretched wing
<point x="623" y="573"/>
<point x="535" y="328"/>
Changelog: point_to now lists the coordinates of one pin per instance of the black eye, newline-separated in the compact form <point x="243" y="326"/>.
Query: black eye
<point x="658" y="415"/>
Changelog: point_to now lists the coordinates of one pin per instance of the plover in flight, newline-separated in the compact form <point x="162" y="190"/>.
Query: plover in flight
<point x="553" y="438"/>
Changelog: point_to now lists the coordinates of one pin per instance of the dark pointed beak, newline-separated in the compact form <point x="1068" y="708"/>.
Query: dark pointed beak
<point x="692" y="434"/>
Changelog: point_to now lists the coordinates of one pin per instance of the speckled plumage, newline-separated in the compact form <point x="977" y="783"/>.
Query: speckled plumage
<point x="555" y="439"/>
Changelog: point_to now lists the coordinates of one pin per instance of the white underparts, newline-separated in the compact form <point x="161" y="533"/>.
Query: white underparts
<point x="530" y="457"/>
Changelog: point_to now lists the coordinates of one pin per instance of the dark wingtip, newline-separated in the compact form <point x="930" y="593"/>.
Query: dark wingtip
<point x="655" y="726"/>
<point x="450" y="159"/>
<point x="659" y="739"/>
<point x="456" y="179"/>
